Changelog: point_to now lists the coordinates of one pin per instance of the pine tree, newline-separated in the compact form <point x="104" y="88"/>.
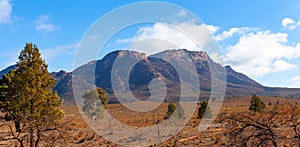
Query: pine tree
<point x="179" y="112"/>
<point x="204" y="110"/>
<point x="176" y="111"/>
<point x="92" y="106"/>
<point x="270" y="103"/>
<point x="256" y="105"/>
<point x="170" y="110"/>
<point x="27" y="99"/>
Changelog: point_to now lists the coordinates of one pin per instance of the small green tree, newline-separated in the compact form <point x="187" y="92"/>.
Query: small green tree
<point x="179" y="112"/>
<point x="27" y="100"/>
<point x="270" y="103"/>
<point x="94" y="103"/>
<point x="171" y="109"/>
<point x="276" y="108"/>
<point x="175" y="110"/>
<point x="204" y="110"/>
<point x="256" y="105"/>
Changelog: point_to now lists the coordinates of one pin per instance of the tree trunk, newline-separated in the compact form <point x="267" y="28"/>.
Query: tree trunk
<point x="31" y="139"/>
<point x="31" y="131"/>
<point x="17" y="125"/>
<point x="21" y="142"/>
<point x="38" y="136"/>
<point x="93" y="121"/>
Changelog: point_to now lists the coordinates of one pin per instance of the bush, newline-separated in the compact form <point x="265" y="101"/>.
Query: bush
<point x="204" y="110"/>
<point x="270" y="103"/>
<point x="175" y="110"/>
<point x="92" y="107"/>
<point x="256" y="105"/>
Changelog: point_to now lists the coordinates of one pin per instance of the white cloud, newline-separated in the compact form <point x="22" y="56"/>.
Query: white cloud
<point x="182" y="13"/>
<point x="282" y="65"/>
<point x="227" y="34"/>
<point x="50" y="53"/>
<point x="213" y="29"/>
<point x="262" y="52"/>
<point x="216" y="57"/>
<point x="43" y="19"/>
<point x="287" y="21"/>
<point x="5" y="11"/>
<point x="43" y="24"/>
<point x="46" y="27"/>
<point x="257" y="52"/>
<point x="161" y="36"/>
<point x="290" y="23"/>
<point x="294" y="80"/>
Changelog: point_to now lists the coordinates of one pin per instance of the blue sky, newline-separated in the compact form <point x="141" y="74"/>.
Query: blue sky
<point x="258" y="38"/>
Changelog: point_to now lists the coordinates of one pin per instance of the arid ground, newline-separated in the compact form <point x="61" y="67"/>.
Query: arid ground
<point x="78" y="133"/>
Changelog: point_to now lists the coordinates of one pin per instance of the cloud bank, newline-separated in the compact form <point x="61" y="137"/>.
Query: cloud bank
<point x="263" y="52"/>
<point x="164" y="36"/>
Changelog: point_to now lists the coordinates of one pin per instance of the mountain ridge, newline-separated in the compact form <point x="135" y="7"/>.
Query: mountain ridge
<point x="151" y="67"/>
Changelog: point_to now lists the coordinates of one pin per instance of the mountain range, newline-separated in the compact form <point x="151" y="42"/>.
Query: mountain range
<point x="174" y="67"/>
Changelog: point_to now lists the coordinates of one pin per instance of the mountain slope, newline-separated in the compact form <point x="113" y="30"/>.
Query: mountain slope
<point x="6" y="70"/>
<point x="133" y="72"/>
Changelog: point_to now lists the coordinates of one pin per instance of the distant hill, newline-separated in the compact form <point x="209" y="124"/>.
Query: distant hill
<point x="148" y="68"/>
<point x="6" y="70"/>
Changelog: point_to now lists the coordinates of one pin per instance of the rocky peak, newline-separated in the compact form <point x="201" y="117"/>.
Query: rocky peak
<point x="184" y="55"/>
<point x="199" y="55"/>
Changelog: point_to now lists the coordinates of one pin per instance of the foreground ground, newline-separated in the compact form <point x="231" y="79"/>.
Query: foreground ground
<point x="78" y="133"/>
<point x="81" y="135"/>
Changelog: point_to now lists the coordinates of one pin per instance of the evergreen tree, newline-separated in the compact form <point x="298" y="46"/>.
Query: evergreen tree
<point x="27" y="99"/>
<point x="256" y="105"/>
<point x="175" y="110"/>
<point x="179" y="112"/>
<point x="204" y="110"/>
<point x="92" y="106"/>
<point x="270" y="103"/>
<point x="171" y="109"/>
